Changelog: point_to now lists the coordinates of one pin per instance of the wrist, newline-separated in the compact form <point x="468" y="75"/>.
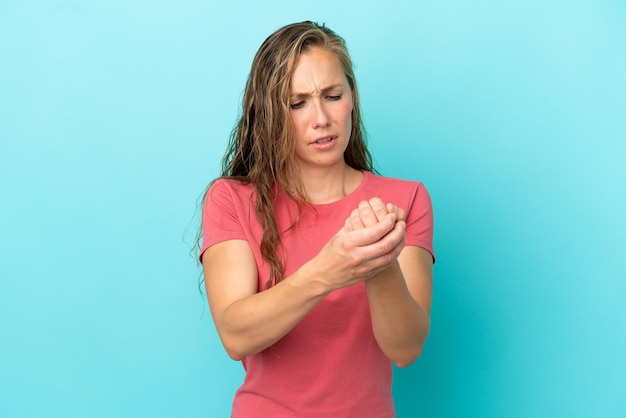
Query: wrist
<point x="307" y="281"/>
<point x="384" y="277"/>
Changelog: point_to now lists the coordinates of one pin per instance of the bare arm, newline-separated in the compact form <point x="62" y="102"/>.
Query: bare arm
<point x="400" y="295"/>
<point x="400" y="299"/>
<point x="249" y="322"/>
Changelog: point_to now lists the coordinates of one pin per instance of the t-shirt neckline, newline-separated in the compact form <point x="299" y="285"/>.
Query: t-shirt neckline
<point x="341" y="201"/>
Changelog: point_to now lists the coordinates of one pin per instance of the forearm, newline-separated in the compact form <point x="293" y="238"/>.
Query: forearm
<point x="399" y="323"/>
<point x="257" y="321"/>
<point x="249" y="321"/>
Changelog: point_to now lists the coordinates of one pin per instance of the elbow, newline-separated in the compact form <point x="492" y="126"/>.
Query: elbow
<point x="234" y="344"/>
<point x="408" y="359"/>
<point x="238" y="349"/>
<point x="235" y="355"/>
<point x="233" y="351"/>
<point x="402" y="365"/>
<point x="404" y="358"/>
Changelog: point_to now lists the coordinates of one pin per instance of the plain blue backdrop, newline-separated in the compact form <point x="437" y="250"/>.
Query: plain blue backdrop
<point x="114" y="116"/>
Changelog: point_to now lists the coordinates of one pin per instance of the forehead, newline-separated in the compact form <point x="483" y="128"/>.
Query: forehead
<point x="315" y="70"/>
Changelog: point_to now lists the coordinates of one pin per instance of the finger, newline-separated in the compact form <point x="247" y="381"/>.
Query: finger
<point x="391" y="208"/>
<point x="397" y="210"/>
<point x="372" y="234"/>
<point x="347" y="225"/>
<point x="380" y="263"/>
<point x="388" y="244"/>
<point x="401" y="214"/>
<point x="379" y="255"/>
<point x="368" y="217"/>
<point x="355" y="220"/>
<point x="379" y="208"/>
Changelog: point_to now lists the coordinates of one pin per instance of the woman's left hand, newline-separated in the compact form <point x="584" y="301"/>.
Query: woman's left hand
<point x="399" y="296"/>
<point x="369" y="213"/>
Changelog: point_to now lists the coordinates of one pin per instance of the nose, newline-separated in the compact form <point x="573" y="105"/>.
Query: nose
<point x="321" y="117"/>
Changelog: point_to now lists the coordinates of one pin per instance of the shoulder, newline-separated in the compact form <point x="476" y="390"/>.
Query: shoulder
<point x="227" y="195"/>
<point x="413" y="197"/>
<point x="410" y="195"/>
<point x="228" y="189"/>
<point x="394" y="186"/>
<point x="229" y="185"/>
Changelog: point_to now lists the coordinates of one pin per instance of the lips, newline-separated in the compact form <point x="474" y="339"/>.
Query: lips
<point x="323" y="140"/>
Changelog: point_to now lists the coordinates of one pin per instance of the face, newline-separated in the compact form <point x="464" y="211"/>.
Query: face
<point x="320" y="109"/>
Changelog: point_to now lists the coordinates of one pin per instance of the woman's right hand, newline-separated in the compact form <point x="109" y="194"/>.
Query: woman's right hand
<point x="354" y="255"/>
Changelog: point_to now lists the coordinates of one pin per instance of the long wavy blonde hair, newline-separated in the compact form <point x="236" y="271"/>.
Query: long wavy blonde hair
<point x="261" y="147"/>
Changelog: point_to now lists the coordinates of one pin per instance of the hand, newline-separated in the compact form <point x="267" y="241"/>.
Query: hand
<point x="371" y="212"/>
<point x="357" y="253"/>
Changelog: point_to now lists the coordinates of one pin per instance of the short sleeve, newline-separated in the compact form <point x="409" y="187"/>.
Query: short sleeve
<point x="220" y="216"/>
<point x="419" y="220"/>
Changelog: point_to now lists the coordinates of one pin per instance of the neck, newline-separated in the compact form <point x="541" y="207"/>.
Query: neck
<point x="330" y="185"/>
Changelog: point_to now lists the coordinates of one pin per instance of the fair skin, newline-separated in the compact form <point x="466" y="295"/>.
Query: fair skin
<point x="369" y="248"/>
<point x="399" y="296"/>
<point x="321" y="116"/>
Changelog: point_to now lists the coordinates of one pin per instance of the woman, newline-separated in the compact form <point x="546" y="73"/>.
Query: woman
<point x="318" y="272"/>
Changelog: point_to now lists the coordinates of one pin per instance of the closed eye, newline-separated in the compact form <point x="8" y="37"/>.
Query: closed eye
<point x="336" y="97"/>
<point x="297" y="105"/>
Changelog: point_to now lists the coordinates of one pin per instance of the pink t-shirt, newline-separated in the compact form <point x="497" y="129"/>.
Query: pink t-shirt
<point x="329" y="365"/>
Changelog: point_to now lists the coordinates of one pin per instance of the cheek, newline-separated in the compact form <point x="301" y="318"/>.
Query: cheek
<point x="348" y="117"/>
<point x="297" y="122"/>
<point x="349" y="108"/>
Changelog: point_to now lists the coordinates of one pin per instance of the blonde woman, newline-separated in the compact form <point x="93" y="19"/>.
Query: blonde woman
<point x="318" y="272"/>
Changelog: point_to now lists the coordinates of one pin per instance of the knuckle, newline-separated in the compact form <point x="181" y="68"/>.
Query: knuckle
<point x="359" y="272"/>
<point x="385" y="247"/>
<point x="354" y="261"/>
<point x="365" y="208"/>
<point x="378" y="205"/>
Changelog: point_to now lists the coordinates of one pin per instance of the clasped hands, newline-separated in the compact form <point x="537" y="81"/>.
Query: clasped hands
<point x="371" y="212"/>
<point x="370" y="241"/>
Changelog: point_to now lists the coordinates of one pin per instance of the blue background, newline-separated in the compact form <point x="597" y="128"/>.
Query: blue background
<point x="114" y="116"/>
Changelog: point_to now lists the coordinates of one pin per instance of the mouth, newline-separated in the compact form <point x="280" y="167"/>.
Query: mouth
<point x="323" y="140"/>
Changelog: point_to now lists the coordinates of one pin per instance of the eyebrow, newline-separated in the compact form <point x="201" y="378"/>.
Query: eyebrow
<point x="324" y="91"/>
